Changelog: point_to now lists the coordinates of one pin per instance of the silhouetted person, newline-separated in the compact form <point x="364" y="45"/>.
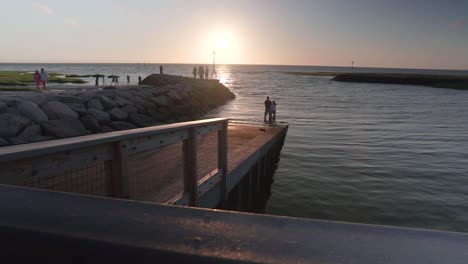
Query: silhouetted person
<point x="128" y="79"/>
<point x="207" y="72"/>
<point x="273" y="111"/>
<point x="194" y="72"/>
<point x="160" y="69"/>
<point x="139" y="79"/>
<point x="201" y="72"/>
<point x="267" y="109"/>
<point x="97" y="80"/>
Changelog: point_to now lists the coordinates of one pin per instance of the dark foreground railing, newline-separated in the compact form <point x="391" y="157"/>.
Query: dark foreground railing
<point x="39" y="226"/>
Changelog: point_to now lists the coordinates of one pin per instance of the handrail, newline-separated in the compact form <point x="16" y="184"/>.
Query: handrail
<point x="52" y="146"/>
<point x="22" y="162"/>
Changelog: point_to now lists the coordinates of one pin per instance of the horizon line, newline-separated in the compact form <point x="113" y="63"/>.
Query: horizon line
<point x="240" y="64"/>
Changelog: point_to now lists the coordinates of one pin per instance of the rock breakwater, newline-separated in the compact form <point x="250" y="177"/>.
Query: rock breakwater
<point x="32" y="117"/>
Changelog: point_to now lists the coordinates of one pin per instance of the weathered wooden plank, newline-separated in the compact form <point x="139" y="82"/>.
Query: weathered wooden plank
<point x="190" y="166"/>
<point x="202" y="130"/>
<point x="148" y="143"/>
<point x="119" y="175"/>
<point x="222" y="159"/>
<point x="20" y="171"/>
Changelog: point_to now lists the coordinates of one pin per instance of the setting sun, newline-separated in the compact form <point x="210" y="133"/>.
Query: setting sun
<point x="226" y="44"/>
<point x="221" y="39"/>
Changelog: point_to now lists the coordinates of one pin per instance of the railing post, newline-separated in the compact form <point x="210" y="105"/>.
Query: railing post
<point x="222" y="158"/>
<point x="119" y="174"/>
<point x="190" y="166"/>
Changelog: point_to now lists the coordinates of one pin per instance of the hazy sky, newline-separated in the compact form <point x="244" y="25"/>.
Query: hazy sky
<point x="393" y="33"/>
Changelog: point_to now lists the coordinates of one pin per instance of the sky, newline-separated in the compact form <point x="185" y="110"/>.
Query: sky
<point x="372" y="33"/>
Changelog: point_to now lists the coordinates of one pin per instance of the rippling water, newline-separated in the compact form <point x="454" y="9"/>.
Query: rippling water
<point x="371" y="153"/>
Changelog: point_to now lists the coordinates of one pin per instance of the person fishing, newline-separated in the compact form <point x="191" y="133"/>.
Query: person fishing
<point x="267" y="109"/>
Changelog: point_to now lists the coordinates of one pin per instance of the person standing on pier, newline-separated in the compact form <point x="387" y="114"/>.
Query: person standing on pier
<point x="207" y="72"/>
<point x="201" y="71"/>
<point x="160" y="69"/>
<point x="139" y="79"/>
<point x="267" y="109"/>
<point x="128" y="79"/>
<point x="194" y="72"/>
<point x="273" y="111"/>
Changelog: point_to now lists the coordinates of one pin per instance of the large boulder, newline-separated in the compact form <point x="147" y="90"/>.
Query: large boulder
<point x="106" y="129"/>
<point x="117" y="114"/>
<point x="95" y="103"/>
<point x="120" y="101"/>
<point x="63" y="128"/>
<point x="91" y="124"/>
<point x="175" y="96"/>
<point x="141" y="120"/>
<point x="162" y="100"/>
<point x="31" y="132"/>
<point x="101" y="116"/>
<point x="4" y="142"/>
<point x="12" y="124"/>
<point x="107" y="103"/>
<point x="156" y="115"/>
<point x="69" y="99"/>
<point x="32" y="111"/>
<point x="129" y="109"/>
<point x="119" y="125"/>
<point x="56" y="110"/>
<point x="17" y="141"/>
<point x="39" y="100"/>
<point x="3" y="107"/>
<point x="78" y="107"/>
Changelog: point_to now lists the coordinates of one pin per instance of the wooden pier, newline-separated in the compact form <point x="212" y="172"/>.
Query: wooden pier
<point x="207" y="163"/>
<point x="192" y="163"/>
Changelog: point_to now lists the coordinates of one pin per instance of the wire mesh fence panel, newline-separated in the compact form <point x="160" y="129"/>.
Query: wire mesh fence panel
<point x="90" y="179"/>
<point x="157" y="176"/>
<point x="207" y="151"/>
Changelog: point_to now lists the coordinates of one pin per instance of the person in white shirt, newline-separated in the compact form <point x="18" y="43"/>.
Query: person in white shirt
<point x="44" y="79"/>
<point x="273" y="111"/>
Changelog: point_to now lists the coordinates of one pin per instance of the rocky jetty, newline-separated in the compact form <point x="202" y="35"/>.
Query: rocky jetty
<point x="32" y="117"/>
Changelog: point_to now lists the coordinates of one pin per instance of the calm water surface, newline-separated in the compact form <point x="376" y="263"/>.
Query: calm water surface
<point x="371" y="153"/>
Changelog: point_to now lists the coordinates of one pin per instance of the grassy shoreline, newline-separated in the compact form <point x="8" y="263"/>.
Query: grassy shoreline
<point x="430" y="80"/>
<point x="19" y="79"/>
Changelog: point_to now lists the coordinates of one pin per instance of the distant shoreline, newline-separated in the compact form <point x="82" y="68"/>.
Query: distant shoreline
<point x="430" y="80"/>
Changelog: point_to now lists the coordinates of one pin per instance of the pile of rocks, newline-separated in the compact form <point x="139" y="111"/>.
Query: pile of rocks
<point x="32" y="117"/>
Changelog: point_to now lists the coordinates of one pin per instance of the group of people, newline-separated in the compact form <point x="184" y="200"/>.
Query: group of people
<point x="203" y="72"/>
<point x="270" y="110"/>
<point x="115" y="79"/>
<point x="41" y="78"/>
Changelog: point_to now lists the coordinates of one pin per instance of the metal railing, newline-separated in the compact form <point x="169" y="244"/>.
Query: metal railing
<point x="157" y="164"/>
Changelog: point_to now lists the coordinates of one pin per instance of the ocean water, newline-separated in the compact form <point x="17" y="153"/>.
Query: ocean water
<point x="368" y="153"/>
